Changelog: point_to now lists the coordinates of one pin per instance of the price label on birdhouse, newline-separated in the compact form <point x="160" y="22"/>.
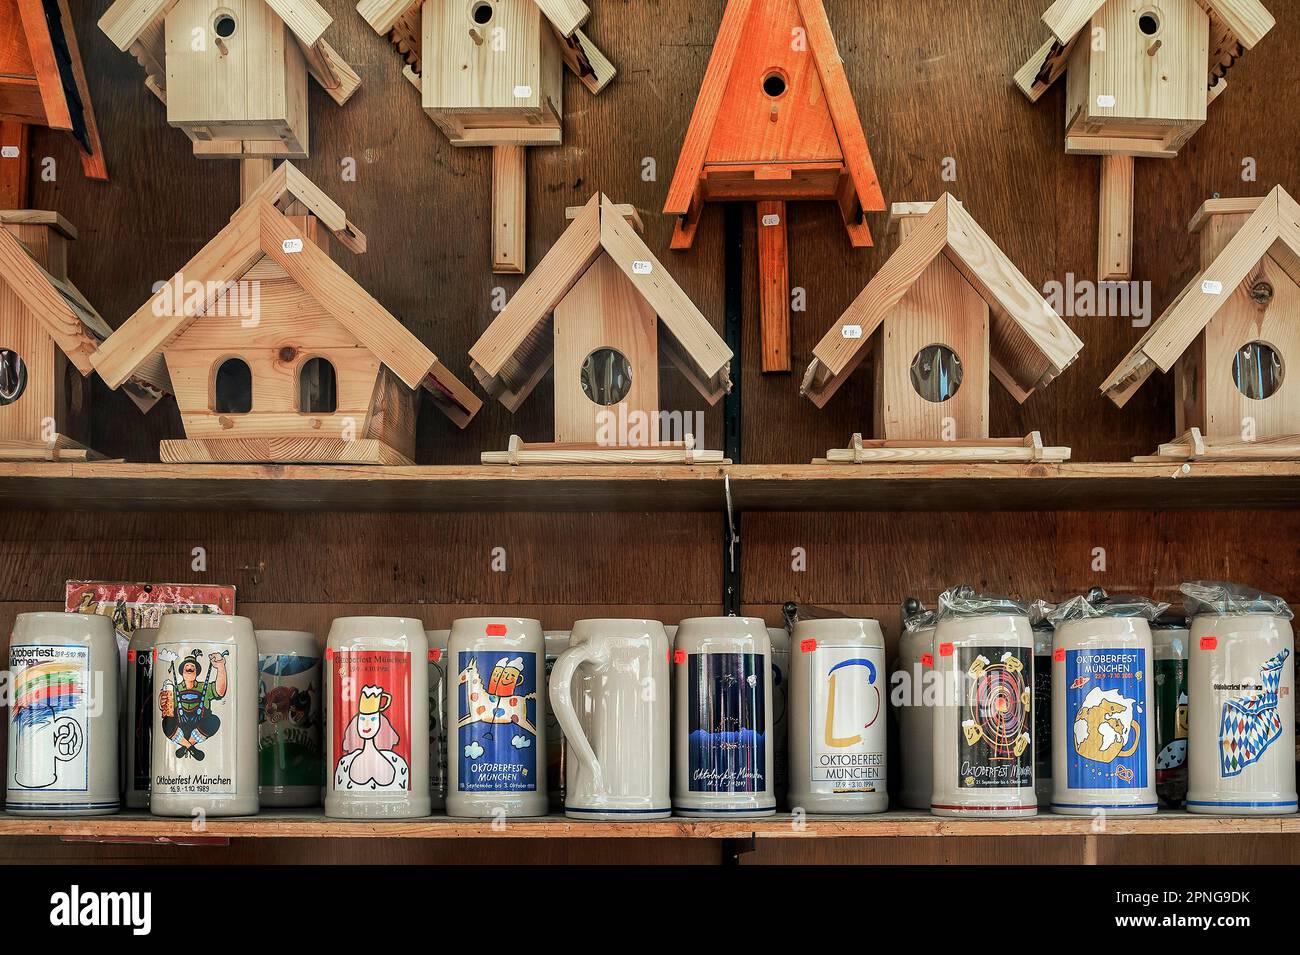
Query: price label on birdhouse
<point x="1105" y="101"/>
<point x="291" y="245"/>
<point x="523" y="92"/>
<point x="642" y="267"/>
<point x="771" y="219"/>
<point x="851" y="331"/>
<point x="9" y="152"/>
<point x="1211" y="287"/>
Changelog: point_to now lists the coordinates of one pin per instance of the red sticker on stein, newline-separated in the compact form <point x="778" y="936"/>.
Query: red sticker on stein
<point x="1209" y="643"/>
<point x="679" y="656"/>
<point x="927" y="659"/>
<point x="945" y="649"/>
<point x="130" y="656"/>
<point x="435" y="654"/>
<point x="1059" y="655"/>
<point x="807" y="646"/>
<point x="496" y="630"/>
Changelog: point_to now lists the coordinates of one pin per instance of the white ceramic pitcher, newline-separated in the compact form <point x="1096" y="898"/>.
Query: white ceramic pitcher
<point x="609" y="691"/>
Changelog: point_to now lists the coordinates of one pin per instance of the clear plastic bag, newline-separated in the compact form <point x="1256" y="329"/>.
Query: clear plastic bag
<point x="921" y="620"/>
<point x="1098" y="603"/>
<point x="965" y="601"/>
<point x="1220" y="599"/>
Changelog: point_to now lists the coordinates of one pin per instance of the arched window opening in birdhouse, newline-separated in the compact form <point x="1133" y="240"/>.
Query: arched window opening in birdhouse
<point x="775" y="84"/>
<point x="13" y="376"/>
<point x="1149" y="22"/>
<point x="233" y="388"/>
<point x="223" y="24"/>
<point x="317" y="388"/>
<point x="481" y="12"/>
<point x="606" y="376"/>
<point x="1257" y="371"/>
<point x="936" y="373"/>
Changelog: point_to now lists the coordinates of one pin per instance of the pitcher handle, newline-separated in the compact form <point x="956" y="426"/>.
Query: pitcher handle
<point x="566" y="665"/>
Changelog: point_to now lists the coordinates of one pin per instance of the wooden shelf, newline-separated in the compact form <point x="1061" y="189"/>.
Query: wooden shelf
<point x="764" y="487"/>
<point x="312" y="825"/>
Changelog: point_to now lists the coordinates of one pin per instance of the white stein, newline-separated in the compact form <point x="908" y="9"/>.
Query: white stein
<point x="290" y="705"/>
<point x="983" y="726"/>
<point x="915" y="717"/>
<point x="1043" y="635"/>
<point x="205" y="723"/>
<point x="557" y="641"/>
<point x="1169" y="637"/>
<point x="137" y="717"/>
<point x="722" y="700"/>
<point x="1103" y="707"/>
<point x="1241" y="677"/>
<point x="609" y="692"/>
<point x="839" y="702"/>
<point x="437" y="717"/>
<point x="63" y="716"/>
<point x="780" y="638"/>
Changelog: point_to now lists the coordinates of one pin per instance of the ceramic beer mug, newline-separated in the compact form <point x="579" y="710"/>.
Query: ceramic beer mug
<point x="1169" y="637"/>
<point x="63" y="716"/>
<point x="205" y="723"/>
<point x="722" y="699"/>
<point x="838" y="708"/>
<point x="496" y="717"/>
<point x="377" y="718"/>
<point x="1241" y="678"/>
<point x="916" y="712"/>
<point x="780" y="638"/>
<point x="609" y="692"/>
<point x="1043" y="637"/>
<point x="557" y="641"/>
<point x="437" y="717"/>
<point x="289" y="707"/>
<point x="1103" y="704"/>
<point x="983" y="726"/>
<point x="137" y="717"/>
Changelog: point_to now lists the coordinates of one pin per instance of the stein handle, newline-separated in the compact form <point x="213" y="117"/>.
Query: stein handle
<point x="562" y="702"/>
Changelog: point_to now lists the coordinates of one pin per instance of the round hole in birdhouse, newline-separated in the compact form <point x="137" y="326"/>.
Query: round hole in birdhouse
<point x="481" y="12"/>
<point x="223" y="24"/>
<point x="936" y="373"/>
<point x="1257" y="370"/>
<point x="13" y="376"/>
<point x="774" y="84"/>
<point x="1149" y="22"/>
<point x="606" y="376"/>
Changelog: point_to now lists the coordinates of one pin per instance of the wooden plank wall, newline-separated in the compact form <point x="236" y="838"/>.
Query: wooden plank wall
<point x="926" y="96"/>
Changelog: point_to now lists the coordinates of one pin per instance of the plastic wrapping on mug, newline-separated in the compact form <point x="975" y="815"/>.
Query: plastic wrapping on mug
<point x="921" y="620"/>
<point x="1097" y="603"/>
<point x="965" y="601"/>
<point x="1219" y="599"/>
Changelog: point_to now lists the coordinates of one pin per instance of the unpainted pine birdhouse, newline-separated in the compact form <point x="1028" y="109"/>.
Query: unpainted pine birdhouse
<point x="600" y="308"/>
<point x="775" y="122"/>
<point x="945" y="314"/>
<point x="491" y="73"/>
<point x="42" y="83"/>
<point x="1140" y="76"/>
<point x="233" y="73"/>
<point x="49" y="331"/>
<point x="1231" y="337"/>
<point x="275" y="353"/>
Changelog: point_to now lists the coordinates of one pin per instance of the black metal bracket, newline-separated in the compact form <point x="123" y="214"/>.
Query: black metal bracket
<point x="733" y="332"/>
<point x="731" y="593"/>
<point x="733" y="849"/>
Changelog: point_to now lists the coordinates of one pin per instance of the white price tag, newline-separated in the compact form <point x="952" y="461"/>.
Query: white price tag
<point x="523" y="92"/>
<point x="772" y="219"/>
<point x="642" y="267"/>
<point x="851" y="331"/>
<point x="1105" y="101"/>
<point x="9" y="152"/>
<point x="1211" y="287"/>
<point x="291" y="245"/>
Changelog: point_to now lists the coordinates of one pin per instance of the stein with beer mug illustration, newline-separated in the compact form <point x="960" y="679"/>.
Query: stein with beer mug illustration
<point x="45" y="741"/>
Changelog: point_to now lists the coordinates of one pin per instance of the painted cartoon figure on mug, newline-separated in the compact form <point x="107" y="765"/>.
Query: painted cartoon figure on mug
<point x="496" y="727"/>
<point x="186" y="702"/>
<point x="370" y="759"/>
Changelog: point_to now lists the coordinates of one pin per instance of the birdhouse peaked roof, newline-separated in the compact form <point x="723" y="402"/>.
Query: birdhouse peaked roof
<point x="1030" y="344"/>
<point x="1273" y="231"/>
<point x="565" y="15"/>
<point x="517" y="348"/>
<point x="258" y="228"/>
<point x="1235" y="25"/>
<point x="53" y="60"/>
<point x="743" y="27"/>
<point x="127" y="22"/>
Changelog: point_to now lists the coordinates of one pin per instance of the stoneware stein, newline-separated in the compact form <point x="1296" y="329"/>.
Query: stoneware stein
<point x="377" y="718"/>
<point x="609" y="692"/>
<point x="496" y="718"/>
<point x="63" y="716"/>
<point x="437" y="717"/>
<point x="915" y="714"/>
<point x="137" y="716"/>
<point x="289" y="709"/>
<point x="1044" y="634"/>
<point x="839" y="701"/>
<point x="780" y="638"/>
<point x="557" y="641"/>
<point x="722" y="702"/>
<point x="983" y="726"/>
<point x="205" y="723"/>
<point x="1169" y="637"/>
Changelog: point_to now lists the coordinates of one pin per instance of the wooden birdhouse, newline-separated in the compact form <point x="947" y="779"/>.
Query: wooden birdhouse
<point x="1140" y="76"/>
<point x="48" y="332"/>
<point x="775" y="122"/>
<point x="947" y="312"/>
<point x="491" y="73"/>
<point x="599" y="308"/>
<point x="233" y="73"/>
<point x="42" y="83"/>
<point x="1231" y="337"/>
<point x="275" y="353"/>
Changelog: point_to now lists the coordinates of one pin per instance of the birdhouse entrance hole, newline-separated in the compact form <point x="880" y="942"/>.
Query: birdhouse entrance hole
<point x="233" y="388"/>
<point x="13" y="376"/>
<point x="775" y="84"/>
<point x="936" y="373"/>
<point x="481" y="12"/>
<point x="1257" y="371"/>
<point x="1149" y="22"/>
<point x="317" y="387"/>
<point x="223" y="24"/>
<point x="606" y="376"/>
